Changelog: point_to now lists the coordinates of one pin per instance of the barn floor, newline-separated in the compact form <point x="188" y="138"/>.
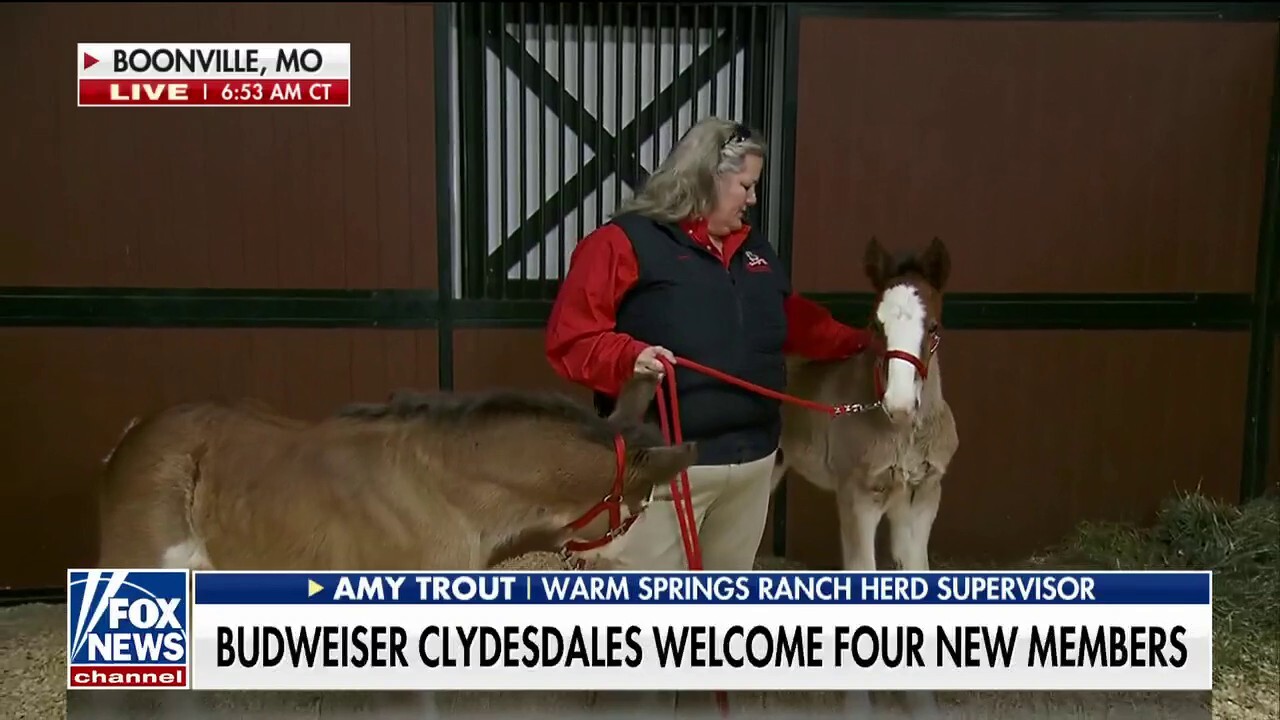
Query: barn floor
<point x="33" y="686"/>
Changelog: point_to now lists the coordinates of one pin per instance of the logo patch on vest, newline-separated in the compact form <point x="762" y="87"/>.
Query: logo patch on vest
<point x="755" y="263"/>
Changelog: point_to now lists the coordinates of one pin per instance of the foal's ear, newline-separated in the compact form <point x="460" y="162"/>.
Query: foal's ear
<point x="657" y="465"/>
<point x="634" y="398"/>
<point x="877" y="264"/>
<point x="936" y="262"/>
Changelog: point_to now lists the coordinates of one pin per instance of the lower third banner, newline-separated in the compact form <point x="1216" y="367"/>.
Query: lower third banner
<point x="701" y="631"/>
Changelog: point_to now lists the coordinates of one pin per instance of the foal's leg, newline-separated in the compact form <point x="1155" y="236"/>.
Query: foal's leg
<point x="910" y="520"/>
<point x="859" y="516"/>
<point x="911" y="516"/>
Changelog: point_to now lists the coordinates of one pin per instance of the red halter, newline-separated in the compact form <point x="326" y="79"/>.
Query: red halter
<point x="612" y="503"/>
<point x="882" y="363"/>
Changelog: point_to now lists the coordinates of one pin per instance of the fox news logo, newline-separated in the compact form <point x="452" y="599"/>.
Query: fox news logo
<point x="127" y="629"/>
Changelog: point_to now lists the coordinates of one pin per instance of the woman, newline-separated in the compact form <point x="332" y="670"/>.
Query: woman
<point x="678" y="272"/>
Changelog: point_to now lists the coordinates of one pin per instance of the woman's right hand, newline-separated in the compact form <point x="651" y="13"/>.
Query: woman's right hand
<point x="648" y="363"/>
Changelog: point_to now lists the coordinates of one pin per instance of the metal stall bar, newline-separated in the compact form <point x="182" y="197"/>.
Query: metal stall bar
<point x="1262" y="341"/>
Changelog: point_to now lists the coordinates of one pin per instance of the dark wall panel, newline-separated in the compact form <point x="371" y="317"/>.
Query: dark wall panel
<point x="71" y="392"/>
<point x="513" y="358"/>
<point x="1050" y="156"/>
<point x="220" y="197"/>
<point x="1060" y="427"/>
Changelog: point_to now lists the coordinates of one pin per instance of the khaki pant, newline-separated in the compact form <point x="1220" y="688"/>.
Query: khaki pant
<point x="731" y="504"/>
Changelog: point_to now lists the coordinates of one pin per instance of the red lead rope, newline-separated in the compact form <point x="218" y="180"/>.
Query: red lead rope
<point x="680" y="492"/>
<point x="681" y="495"/>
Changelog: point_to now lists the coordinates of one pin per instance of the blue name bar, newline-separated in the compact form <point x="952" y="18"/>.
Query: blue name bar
<point x="710" y="588"/>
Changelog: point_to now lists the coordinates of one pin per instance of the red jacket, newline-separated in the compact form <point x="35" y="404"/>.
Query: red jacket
<point x="584" y="348"/>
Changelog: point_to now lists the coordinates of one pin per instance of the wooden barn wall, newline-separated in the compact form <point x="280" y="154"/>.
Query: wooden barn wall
<point x="221" y="197"/>
<point x="508" y="357"/>
<point x="1068" y="157"/>
<point x="1052" y="157"/>
<point x="275" y="200"/>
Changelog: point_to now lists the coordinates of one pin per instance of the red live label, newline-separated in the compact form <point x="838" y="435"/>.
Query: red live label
<point x="247" y="93"/>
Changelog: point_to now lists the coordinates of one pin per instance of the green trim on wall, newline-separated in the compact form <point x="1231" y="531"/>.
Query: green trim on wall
<point x="501" y="313"/>
<point x="207" y="308"/>
<point x="1071" y="311"/>
<point x="10" y="597"/>
<point x="166" y="307"/>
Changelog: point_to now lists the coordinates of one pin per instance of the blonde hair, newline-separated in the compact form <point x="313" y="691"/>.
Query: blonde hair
<point x="684" y="186"/>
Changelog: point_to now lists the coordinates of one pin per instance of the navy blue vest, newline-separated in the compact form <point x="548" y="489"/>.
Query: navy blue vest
<point x="731" y="319"/>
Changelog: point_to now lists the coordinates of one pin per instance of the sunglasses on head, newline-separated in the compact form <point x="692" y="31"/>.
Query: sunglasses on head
<point x="741" y="133"/>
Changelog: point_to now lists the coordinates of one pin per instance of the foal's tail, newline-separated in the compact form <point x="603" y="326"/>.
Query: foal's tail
<point x="144" y="500"/>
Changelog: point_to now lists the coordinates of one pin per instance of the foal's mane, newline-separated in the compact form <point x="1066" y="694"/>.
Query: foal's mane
<point x="457" y="409"/>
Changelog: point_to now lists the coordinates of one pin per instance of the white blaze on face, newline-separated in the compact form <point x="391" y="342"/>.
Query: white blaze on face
<point x="901" y="314"/>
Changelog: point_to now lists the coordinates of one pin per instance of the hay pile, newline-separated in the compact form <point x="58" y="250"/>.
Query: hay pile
<point x="1241" y="545"/>
<point x="33" y="670"/>
<point x="533" y="561"/>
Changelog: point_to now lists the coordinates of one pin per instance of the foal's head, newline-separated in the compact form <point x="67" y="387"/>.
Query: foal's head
<point x="906" y="317"/>
<point x="647" y="461"/>
<point x="547" y="448"/>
